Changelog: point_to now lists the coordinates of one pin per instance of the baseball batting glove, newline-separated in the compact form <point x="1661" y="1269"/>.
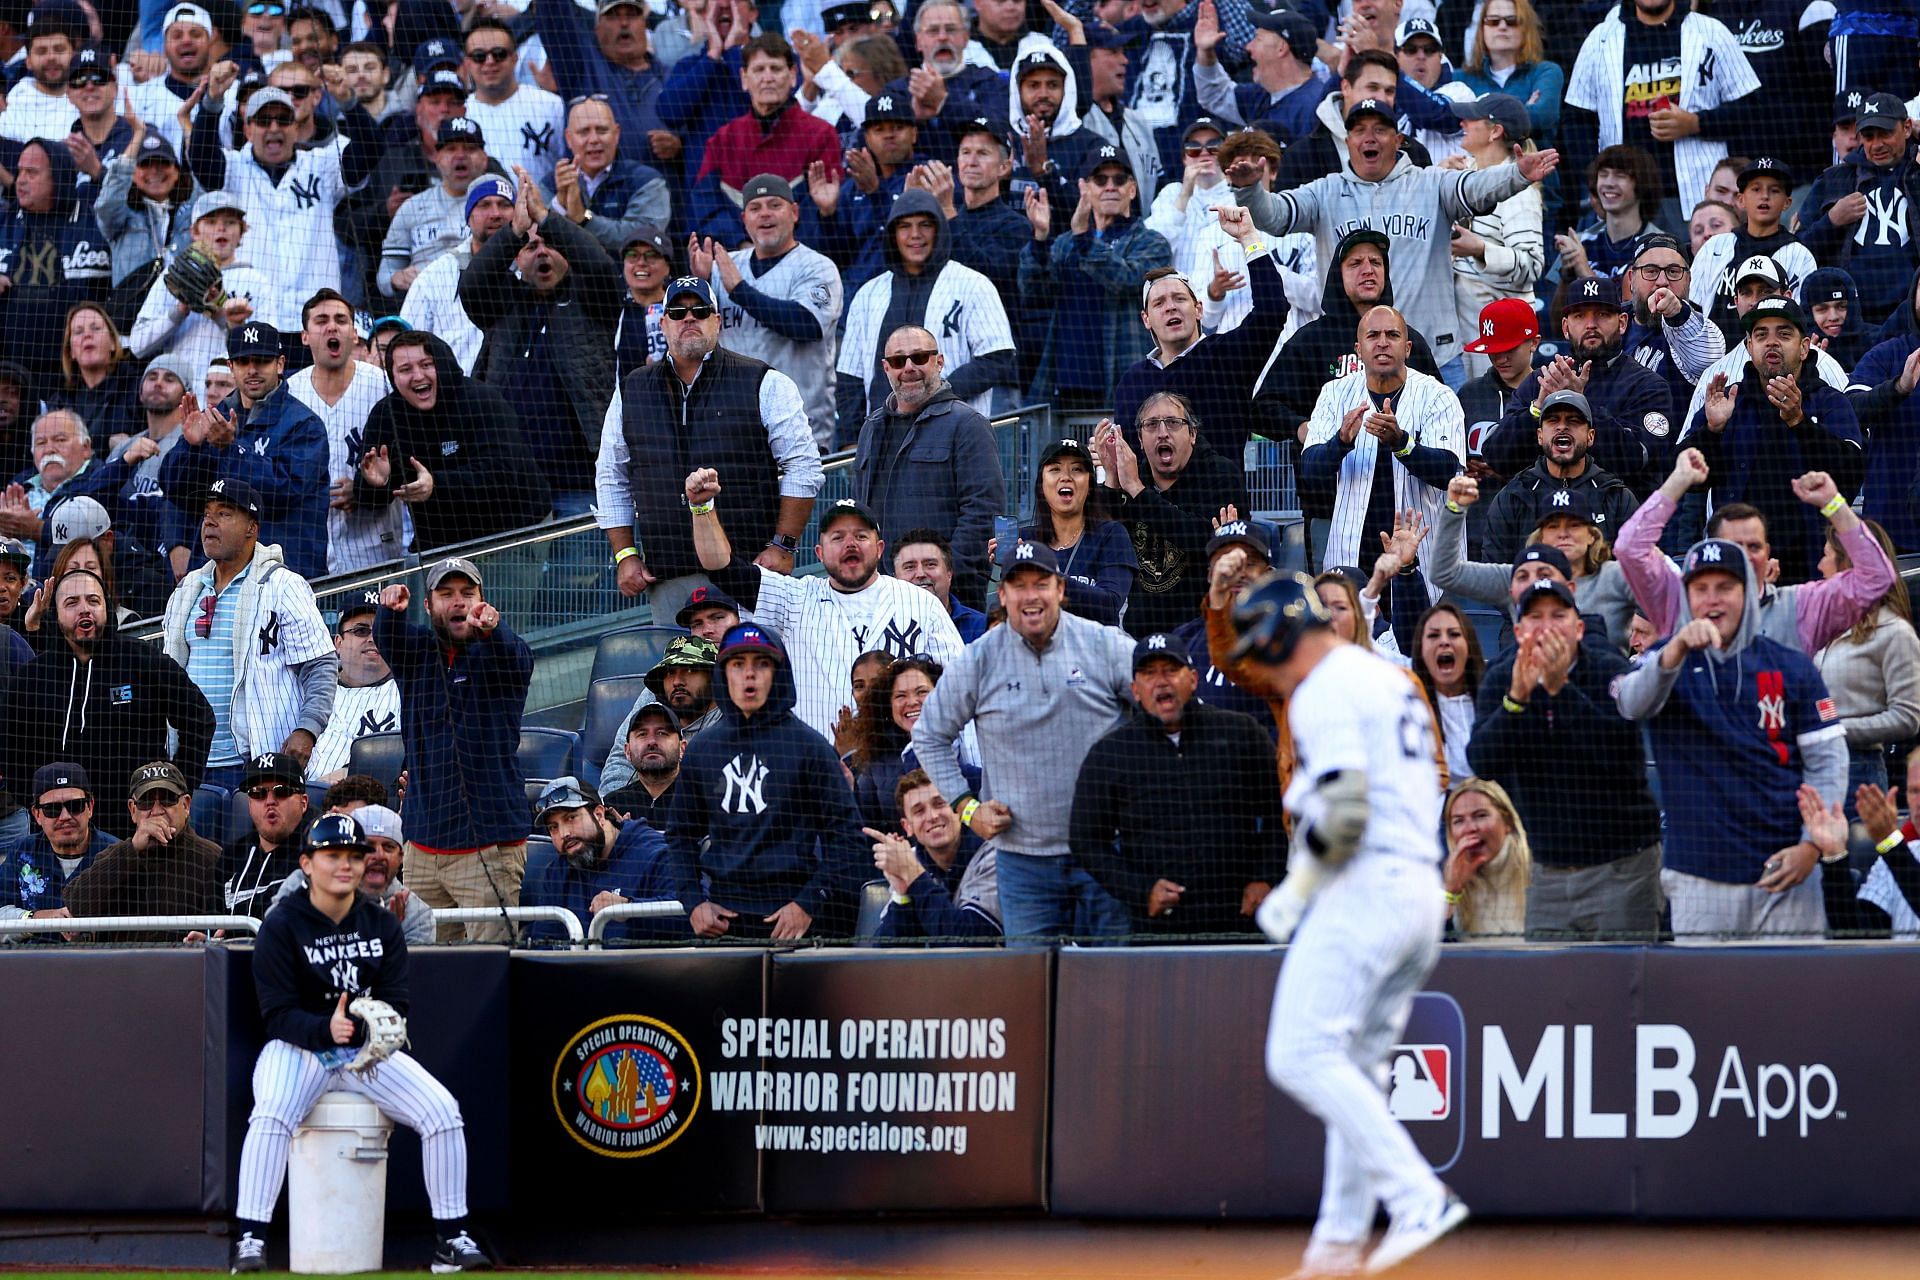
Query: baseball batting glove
<point x="194" y="278"/>
<point x="386" y="1032"/>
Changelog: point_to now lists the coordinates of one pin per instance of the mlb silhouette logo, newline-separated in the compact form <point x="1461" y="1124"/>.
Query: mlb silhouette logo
<point x="1427" y="1079"/>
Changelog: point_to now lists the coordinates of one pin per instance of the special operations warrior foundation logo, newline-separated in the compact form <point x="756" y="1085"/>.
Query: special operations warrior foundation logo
<point x="627" y="1086"/>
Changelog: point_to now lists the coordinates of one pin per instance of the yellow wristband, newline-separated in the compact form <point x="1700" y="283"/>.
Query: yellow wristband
<point x="1515" y="707"/>
<point x="967" y="810"/>
<point x="1534" y="409"/>
<point x="625" y="554"/>
<point x="705" y="508"/>
<point x="1455" y="507"/>
<point x="1835" y="505"/>
<point x="1891" y="843"/>
<point x="1453" y="899"/>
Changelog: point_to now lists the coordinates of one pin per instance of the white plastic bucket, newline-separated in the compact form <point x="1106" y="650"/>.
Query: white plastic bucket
<point x="337" y="1187"/>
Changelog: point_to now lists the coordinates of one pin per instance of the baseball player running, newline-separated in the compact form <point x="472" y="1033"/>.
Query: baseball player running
<point x="316" y="952"/>
<point x="1366" y="856"/>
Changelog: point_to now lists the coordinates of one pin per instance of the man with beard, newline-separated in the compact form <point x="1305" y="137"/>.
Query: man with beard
<point x="368" y="700"/>
<point x="1043" y="110"/>
<point x="1566" y="435"/>
<point x="167" y="325"/>
<point x="341" y="392"/>
<point x="753" y="425"/>
<point x="386" y="844"/>
<point x="254" y="866"/>
<point x="165" y="868"/>
<point x="927" y="459"/>
<point x="37" y="105"/>
<point x="1632" y="413"/>
<point x="151" y="548"/>
<point x="34" y="875"/>
<point x="963" y="89"/>
<point x="779" y="300"/>
<point x="599" y="189"/>
<point x="1752" y="459"/>
<point x="1667" y="332"/>
<point x="246" y="629"/>
<point x="853" y="213"/>
<point x="266" y="439"/>
<point x="652" y="750"/>
<point x="104" y="701"/>
<point x="433" y="302"/>
<point x="429" y="225"/>
<point x="1171" y="509"/>
<point x="852" y="609"/>
<point x="707" y="614"/>
<point x="463" y="685"/>
<point x="191" y="44"/>
<point x="598" y="860"/>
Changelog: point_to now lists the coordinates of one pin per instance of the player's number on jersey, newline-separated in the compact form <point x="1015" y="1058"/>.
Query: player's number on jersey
<point x="1414" y="729"/>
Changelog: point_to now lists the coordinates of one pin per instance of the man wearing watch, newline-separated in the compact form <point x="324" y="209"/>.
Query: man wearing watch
<point x="702" y="407"/>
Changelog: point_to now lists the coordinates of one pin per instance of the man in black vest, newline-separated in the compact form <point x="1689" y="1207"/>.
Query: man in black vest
<point x="702" y="407"/>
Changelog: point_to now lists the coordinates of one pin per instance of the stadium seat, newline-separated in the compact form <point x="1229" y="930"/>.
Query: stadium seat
<point x="209" y="813"/>
<point x="534" y="787"/>
<point x="317" y="796"/>
<point x="632" y="651"/>
<point x="608" y="701"/>
<point x="548" y="753"/>
<point x="1289" y="541"/>
<point x="239" y="817"/>
<point x="874" y="897"/>
<point x="378" y="755"/>
<point x="1489" y="624"/>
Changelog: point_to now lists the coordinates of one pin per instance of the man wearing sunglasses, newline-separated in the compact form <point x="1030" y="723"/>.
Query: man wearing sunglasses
<point x="264" y="25"/>
<point x="99" y="133"/>
<point x="165" y="868"/>
<point x="34" y="876"/>
<point x="252" y="866"/>
<point x="523" y="122"/>
<point x="368" y="700"/>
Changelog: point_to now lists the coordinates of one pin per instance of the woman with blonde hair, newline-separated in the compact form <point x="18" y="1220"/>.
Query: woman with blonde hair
<point x="98" y="377"/>
<point x="1873" y="672"/>
<point x="1508" y="55"/>
<point x="1489" y="865"/>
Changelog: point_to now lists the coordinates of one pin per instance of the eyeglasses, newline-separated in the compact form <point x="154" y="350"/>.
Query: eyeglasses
<point x="1505" y="20"/>
<point x="899" y="362"/>
<point x="58" y="807"/>
<point x="298" y="92"/>
<point x="1110" y="179"/>
<point x="1153" y="426"/>
<point x="579" y="98"/>
<point x="682" y="310"/>
<point x="360" y="632"/>
<point x="1203" y="148"/>
<point x="158" y="800"/>
<point x="279" y="791"/>
<point x="484" y="56"/>
<point x="1652" y="272"/>
<point x="203" y="625"/>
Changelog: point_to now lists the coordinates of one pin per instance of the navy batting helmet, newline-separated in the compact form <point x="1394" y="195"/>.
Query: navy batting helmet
<point x="336" y="831"/>
<point x="1272" y="615"/>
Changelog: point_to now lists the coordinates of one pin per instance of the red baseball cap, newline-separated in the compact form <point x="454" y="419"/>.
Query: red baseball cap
<point x="1505" y="323"/>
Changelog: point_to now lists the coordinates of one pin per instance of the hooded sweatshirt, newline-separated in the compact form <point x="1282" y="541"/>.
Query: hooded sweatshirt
<point x="484" y="479"/>
<point x="958" y="305"/>
<point x="110" y="715"/>
<point x="1068" y="144"/>
<point x="1322" y="350"/>
<point x="1831" y="284"/>
<point x="54" y="260"/>
<point x="1879" y="251"/>
<point x="1735" y="730"/>
<point x="762" y="813"/>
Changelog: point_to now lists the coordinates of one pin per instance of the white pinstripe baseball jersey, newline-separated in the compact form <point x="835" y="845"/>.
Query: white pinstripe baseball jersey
<point x="964" y="313"/>
<point x="434" y="304"/>
<point x="290" y="228"/>
<point x="809" y="278"/>
<point x="525" y="130"/>
<point x="365" y="536"/>
<point x="194" y="337"/>
<point x="159" y="107"/>
<point x="825" y="630"/>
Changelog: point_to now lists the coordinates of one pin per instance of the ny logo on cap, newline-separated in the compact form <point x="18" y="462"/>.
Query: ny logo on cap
<point x="1710" y="553"/>
<point x="1232" y="528"/>
<point x="1368" y="104"/>
<point x="688" y="282"/>
<point x="460" y="124"/>
<point x="1156" y="642"/>
<point x="1563" y="498"/>
<point x="1766" y="162"/>
<point x="1590" y="288"/>
<point x="218" y="486"/>
<point x="843" y="502"/>
<point x="884" y="103"/>
<point x="1486" y="328"/>
<point x="1109" y="153"/>
<point x="1023" y="552"/>
<point x="250" y="334"/>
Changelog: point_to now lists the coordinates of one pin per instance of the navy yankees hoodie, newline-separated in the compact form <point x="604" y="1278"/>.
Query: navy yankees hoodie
<point x="303" y="963"/>
<point x="55" y="260"/>
<point x="766" y="797"/>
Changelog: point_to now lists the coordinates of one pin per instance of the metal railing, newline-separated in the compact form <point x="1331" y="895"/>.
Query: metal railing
<point x="605" y="916"/>
<point x="518" y="915"/>
<point x="208" y="925"/>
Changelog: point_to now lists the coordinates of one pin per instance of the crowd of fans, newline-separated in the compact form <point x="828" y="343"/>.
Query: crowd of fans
<point x="1592" y="345"/>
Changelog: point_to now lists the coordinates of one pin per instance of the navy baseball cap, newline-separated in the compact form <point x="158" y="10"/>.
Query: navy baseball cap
<point x="1240" y="533"/>
<point x="1160" y="647"/>
<point x="1714" y="555"/>
<point x="459" y="129"/>
<point x="660" y="709"/>
<point x="1033" y="555"/>
<point x="156" y="147"/>
<point x="1540" y="589"/>
<point x="995" y="129"/>
<point x="1104" y="35"/>
<point x="705" y="598"/>
<point x="90" y="64"/>
<point x="61" y="773"/>
<point x="647" y="234"/>
<point x="1503" y="109"/>
<point x="847" y="507"/>
<point x="336" y="831"/>
<point x="365" y="601"/>
<point x="1372" y="107"/>
<point x="1592" y="291"/>
<point x="749" y="637"/>
<point x="235" y="493"/>
<point x="694" y="285"/>
<point x="1198" y="123"/>
<point x="835" y="16"/>
<point x="1541" y="553"/>
<point x="1035" y="61"/>
<point x="889" y="106"/>
<point x="256" y="339"/>
<point x="13" y="551"/>
<point x="437" y="52"/>
<point x="1882" y="111"/>
<point x="1576" y="504"/>
<point x="1413" y="29"/>
<point x="273" y="766"/>
<point x="1302" y="37"/>
<point x="1847" y="106"/>
<point x="1765" y="167"/>
<point x="444" y="80"/>
<point x="1064" y="448"/>
<point x="1104" y="156"/>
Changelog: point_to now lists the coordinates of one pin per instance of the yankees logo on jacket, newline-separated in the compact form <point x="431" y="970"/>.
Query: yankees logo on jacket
<point x="303" y="963"/>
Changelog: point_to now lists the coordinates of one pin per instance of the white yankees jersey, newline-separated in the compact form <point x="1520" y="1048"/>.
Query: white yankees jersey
<point x="525" y="130"/>
<point x="159" y="107"/>
<point x="1717" y="260"/>
<point x="810" y="279"/>
<point x="433" y="304"/>
<point x="357" y="713"/>
<point x="964" y="314"/>
<point x="33" y="114"/>
<point x="196" y="338"/>
<point x="290" y="228"/>
<point x="825" y="630"/>
<point x="365" y="536"/>
<point x="1358" y="711"/>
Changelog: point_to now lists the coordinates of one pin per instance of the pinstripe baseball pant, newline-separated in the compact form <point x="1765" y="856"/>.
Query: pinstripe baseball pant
<point x="1346" y="990"/>
<point x="288" y="1080"/>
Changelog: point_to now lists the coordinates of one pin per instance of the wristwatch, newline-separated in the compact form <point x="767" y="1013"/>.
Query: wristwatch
<point x="784" y="542"/>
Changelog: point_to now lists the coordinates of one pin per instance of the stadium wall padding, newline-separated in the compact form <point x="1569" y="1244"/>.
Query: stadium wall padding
<point x="1604" y="1083"/>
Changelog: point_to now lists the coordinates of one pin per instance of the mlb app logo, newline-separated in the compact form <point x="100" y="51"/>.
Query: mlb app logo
<point x="1427" y="1079"/>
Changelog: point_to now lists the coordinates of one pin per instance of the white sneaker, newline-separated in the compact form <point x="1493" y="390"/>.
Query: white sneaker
<point x="1325" y="1258"/>
<point x="1279" y="914"/>
<point x="1405" y="1238"/>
